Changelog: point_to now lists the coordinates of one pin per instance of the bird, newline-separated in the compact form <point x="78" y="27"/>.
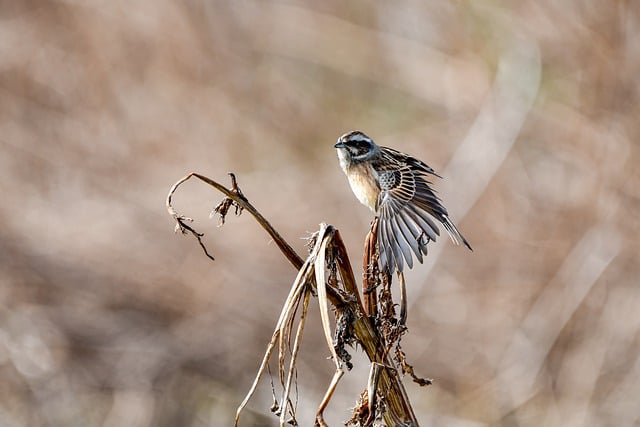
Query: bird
<point x="397" y="188"/>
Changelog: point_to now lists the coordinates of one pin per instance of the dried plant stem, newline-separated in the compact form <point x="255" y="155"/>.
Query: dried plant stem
<point x="329" y="252"/>
<point x="241" y="201"/>
<point x="304" y="275"/>
<point x="399" y="410"/>
<point x="403" y="298"/>
<point x="369" y="270"/>
<point x="293" y="297"/>
<point x="294" y="357"/>
<point x="372" y="391"/>
<point x="324" y="238"/>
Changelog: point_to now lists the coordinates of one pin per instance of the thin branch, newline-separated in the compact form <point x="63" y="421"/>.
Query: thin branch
<point x="403" y="299"/>
<point x="325" y="234"/>
<point x="181" y="220"/>
<point x="372" y="391"/>
<point x="240" y="200"/>
<point x="370" y="271"/>
<point x="294" y="357"/>
<point x="292" y="298"/>
<point x="324" y="237"/>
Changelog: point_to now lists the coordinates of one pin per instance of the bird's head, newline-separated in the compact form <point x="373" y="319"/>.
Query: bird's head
<point x="355" y="147"/>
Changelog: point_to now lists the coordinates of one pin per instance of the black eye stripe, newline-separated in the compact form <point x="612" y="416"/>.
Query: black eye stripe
<point x="359" y="143"/>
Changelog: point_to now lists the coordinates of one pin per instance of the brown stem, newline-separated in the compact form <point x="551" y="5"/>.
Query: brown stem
<point x="369" y="270"/>
<point x="399" y="409"/>
<point x="241" y="201"/>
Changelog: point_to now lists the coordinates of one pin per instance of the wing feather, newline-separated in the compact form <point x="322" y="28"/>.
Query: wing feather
<point x="401" y="239"/>
<point x="412" y="233"/>
<point x="406" y="205"/>
<point x="426" y="224"/>
<point x="384" y="244"/>
<point x="391" y="241"/>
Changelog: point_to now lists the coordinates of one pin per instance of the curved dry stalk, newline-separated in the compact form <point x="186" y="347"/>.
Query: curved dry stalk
<point x="312" y="273"/>
<point x="324" y="237"/>
<point x="261" y="371"/>
<point x="181" y="220"/>
<point x="294" y="357"/>
<point x="370" y="270"/>
<point x="320" y="265"/>
<point x="240" y="201"/>
<point x="327" y="397"/>
<point x="292" y="299"/>
<point x="372" y="391"/>
<point x="285" y="321"/>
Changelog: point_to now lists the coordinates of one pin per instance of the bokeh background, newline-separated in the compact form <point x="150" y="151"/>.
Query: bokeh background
<point x="529" y="110"/>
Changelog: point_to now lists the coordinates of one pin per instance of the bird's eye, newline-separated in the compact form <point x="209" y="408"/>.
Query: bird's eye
<point x="360" y="144"/>
<point x="359" y="148"/>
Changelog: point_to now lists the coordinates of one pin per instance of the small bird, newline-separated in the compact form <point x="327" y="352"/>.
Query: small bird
<point x="396" y="187"/>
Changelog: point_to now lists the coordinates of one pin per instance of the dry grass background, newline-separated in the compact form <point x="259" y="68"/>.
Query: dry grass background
<point x="529" y="109"/>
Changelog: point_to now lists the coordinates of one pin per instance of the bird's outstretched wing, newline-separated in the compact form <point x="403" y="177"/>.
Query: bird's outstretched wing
<point x="406" y="206"/>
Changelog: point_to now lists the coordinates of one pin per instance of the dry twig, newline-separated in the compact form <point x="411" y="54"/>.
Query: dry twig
<point x="386" y="394"/>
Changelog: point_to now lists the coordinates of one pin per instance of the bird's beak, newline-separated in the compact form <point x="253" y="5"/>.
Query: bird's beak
<point x="340" y="144"/>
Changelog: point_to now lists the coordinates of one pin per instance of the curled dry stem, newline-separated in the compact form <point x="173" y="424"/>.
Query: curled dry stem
<point x="242" y="203"/>
<point x="328" y="249"/>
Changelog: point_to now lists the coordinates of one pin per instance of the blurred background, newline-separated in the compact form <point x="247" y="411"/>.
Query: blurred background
<point x="528" y="109"/>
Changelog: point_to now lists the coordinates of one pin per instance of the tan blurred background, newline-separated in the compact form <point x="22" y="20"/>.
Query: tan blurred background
<point x="530" y="111"/>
